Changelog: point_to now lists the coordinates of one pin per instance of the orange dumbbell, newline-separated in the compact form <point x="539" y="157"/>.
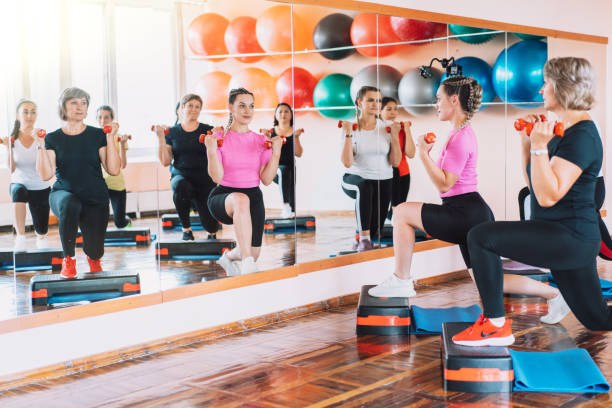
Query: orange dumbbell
<point x="129" y="137"/>
<point x="340" y="125"/>
<point x="203" y="137"/>
<point x="430" y="137"/>
<point x="522" y="124"/>
<point x="268" y="143"/>
<point x="166" y="129"/>
<point x="388" y="128"/>
<point x="107" y="129"/>
<point x="41" y="133"/>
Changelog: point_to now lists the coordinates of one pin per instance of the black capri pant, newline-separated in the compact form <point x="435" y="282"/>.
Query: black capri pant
<point x="38" y="203"/>
<point x="216" y="205"/>
<point x="372" y="198"/>
<point x="452" y="220"/>
<point x="72" y="213"/>
<point x="118" y="199"/>
<point x="188" y="191"/>
<point x="285" y="178"/>
<point x="546" y="244"/>
<point x="401" y="185"/>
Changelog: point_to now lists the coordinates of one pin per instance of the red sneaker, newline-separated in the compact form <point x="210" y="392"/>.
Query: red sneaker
<point x="485" y="333"/>
<point x="94" y="265"/>
<point x="68" y="268"/>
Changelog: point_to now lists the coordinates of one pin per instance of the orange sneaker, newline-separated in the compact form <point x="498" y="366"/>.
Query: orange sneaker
<point x="485" y="333"/>
<point x="94" y="265"/>
<point x="68" y="268"/>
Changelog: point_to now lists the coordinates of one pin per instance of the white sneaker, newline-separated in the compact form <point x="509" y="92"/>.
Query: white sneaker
<point x="249" y="266"/>
<point x="42" y="242"/>
<point x="557" y="310"/>
<point x="286" y="212"/>
<point x="393" y="287"/>
<point x="20" y="243"/>
<point x="231" y="267"/>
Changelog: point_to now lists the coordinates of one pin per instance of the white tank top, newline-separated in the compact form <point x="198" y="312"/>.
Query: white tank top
<point x="25" y="167"/>
<point x="371" y="153"/>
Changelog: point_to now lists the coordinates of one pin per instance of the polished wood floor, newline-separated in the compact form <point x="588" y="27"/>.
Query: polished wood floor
<point x="318" y="361"/>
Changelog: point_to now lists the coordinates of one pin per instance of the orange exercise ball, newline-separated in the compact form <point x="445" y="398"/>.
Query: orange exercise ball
<point x="260" y="83"/>
<point x="213" y="88"/>
<point x="274" y="30"/>
<point x="205" y="34"/>
<point x="240" y="38"/>
<point x="363" y="31"/>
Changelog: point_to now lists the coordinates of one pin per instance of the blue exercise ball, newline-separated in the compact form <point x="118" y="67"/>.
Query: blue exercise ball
<point x="524" y="36"/>
<point x="481" y="72"/>
<point x="524" y="75"/>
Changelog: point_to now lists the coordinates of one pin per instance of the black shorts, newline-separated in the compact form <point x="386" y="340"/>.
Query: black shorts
<point x="401" y="185"/>
<point x="216" y="205"/>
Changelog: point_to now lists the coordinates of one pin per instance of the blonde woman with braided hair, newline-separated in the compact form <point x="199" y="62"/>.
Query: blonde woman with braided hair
<point x="454" y="176"/>
<point x="238" y="160"/>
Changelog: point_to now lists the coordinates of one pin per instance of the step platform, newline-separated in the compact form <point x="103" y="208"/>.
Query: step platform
<point x="171" y="222"/>
<point x="122" y="237"/>
<point x="535" y="274"/>
<point x="32" y="260"/>
<point x="386" y="235"/>
<point x="474" y="369"/>
<point x="383" y="316"/>
<point x="289" y="225"/>
<point x="198" y="250"/>
<point x="49" y="289"/>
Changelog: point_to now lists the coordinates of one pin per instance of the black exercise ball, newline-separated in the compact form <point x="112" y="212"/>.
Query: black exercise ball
<point x="331" y="32"/>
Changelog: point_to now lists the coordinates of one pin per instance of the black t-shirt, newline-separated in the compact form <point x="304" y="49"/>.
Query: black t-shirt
<point x="189" y="155"/>
<point x="77" y="164"/>
<point x="582" y="146"/>
<point x="287" y="156"/>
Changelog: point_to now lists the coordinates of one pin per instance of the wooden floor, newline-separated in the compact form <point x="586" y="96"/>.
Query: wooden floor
<point x="318" y="361"/>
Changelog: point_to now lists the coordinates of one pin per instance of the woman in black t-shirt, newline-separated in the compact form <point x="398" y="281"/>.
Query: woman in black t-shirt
<point x="563" y="232"/>
<point x="285" y="176"/>
<point x="79" y="197"/>
<point x="182" y="151"/>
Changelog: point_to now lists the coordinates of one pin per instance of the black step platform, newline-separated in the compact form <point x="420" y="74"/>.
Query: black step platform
<point x="384" y="316"/>
<point x="289" y="225"/>
<point x="386" y="235"/>
<point x="123" y="237"/>
<point x="171" y="222"/>
<point x="32" y="260"/>
<point x="201" y="249"/>
<point x="49" y="289"/>
<point x="474" y="369"/>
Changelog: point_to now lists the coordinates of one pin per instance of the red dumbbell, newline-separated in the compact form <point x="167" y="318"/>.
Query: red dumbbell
<point x="107" y="129"/>
<point x="268" y="143"/>
<point x="129" y="137"/>
<point x="203" y="137"/>
<point x="522" y="124"/>
<point x="166" y="130"/>
<point x="388" y="128"/>
<point x="430" y="137"/>
<point x="41" y="133"/>
<point x="340" y="125"/>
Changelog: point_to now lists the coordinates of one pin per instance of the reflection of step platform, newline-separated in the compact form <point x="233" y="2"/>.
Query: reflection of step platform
<point x="172" y="222"/>
<point x="386" y="316"/>
<point x="198" y="250"/>
<point x="123" y="237"/>
<point x="474" y="369"/>
<point x="48" y="289"/>
<point x="289" y="225"/>
<point x="32" y="260"/>
<point x="386" y="235"/>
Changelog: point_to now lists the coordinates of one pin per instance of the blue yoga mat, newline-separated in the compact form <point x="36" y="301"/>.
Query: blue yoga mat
<point x="429" y="321"/>
<point x="563" y="371"/>
<point x="606" y="286"/>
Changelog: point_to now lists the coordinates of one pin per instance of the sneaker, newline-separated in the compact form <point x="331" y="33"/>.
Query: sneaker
<point x="355" y="245"/>
<point x="286" y="212"/>
<point x="364" y="245"/>
<point x="94" y="265"/>
<point x="485" y="333"/>
<point x="68" y="268"/>
<point x="129" y="222"/>
<point x="231" y="267"/>
<point x="188" y="235"/>
<point x="249" y="266"/>
<point x="212" y="236"/>
<point x="42" y="242"/>
<point x="557" y="310"/>
<point x="20" y="243"/>
<point x="393" y="287"/>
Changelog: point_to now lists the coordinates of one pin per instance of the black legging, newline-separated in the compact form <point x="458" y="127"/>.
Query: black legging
<point x="38" y="203"/>
<point x="400" y="187"/>
<point x="118" y="199"/>
<point x="188" y="192"/>
<point x="371" y="205"/>
<point x="73" y="214"/>
<point x="545" y="244"/>
<point x="286" y="173"/>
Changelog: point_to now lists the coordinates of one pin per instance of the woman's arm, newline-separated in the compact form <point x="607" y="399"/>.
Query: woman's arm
<point x="109" y="156"/>
<point x="267" y="172"/>
<point x="409" y="147"/>
<point x="297" y="145"/>
<point x="10" y="158"/>
<point x="395" y="152"/>
<point x="215" y="167"/>
<point x="164" y="151"/>
<point x="45" y="162"/>
<point x="123" y="151"/>
<point x="443" y="180"/>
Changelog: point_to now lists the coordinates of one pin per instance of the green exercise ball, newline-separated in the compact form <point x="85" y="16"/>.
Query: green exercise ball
<point x="331" y="91"/>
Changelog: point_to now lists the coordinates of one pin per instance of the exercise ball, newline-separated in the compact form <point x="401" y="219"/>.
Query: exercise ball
<point x="240" y="38"/>
<point x="388" y="80"/>
<point x="363" y="31"/>
<point x="524" y="75"/>
<point x="523" y="36"/>
<point x="298" y="94"/>
<point x="471" y="39"/>
<point x="334" y="90"/>
<point x="274" y="29"/>
<point x="408" y="29"/>
<point x="213" y="88"/>
<point x="331" y="32"/>
<point x="260" y="83"/>
<point x="415" y="90"/>
<point x="481" y="72"/>
<point x="205" y="34"/>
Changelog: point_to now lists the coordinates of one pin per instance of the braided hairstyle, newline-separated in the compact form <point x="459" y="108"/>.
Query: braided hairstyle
<point x="360" y="94"/>
<point x="232" y="98"/>
<point x="17" y="124"/>
<point x="469" y="92"/>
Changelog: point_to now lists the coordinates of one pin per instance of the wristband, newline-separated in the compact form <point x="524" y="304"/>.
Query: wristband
<point x="539" y="152"/>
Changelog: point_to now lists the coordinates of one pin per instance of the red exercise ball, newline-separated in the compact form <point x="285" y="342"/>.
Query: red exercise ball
<point x="213" y="88"/>
<point x="205" y="34"/>
<point x="240" y="38"/>
<point x="274" y="30"/>
<point x="408" y="29"/>
<point x="260" y="83"/>
<point x="363" y="31"/>
<point x="303" y="87"/>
